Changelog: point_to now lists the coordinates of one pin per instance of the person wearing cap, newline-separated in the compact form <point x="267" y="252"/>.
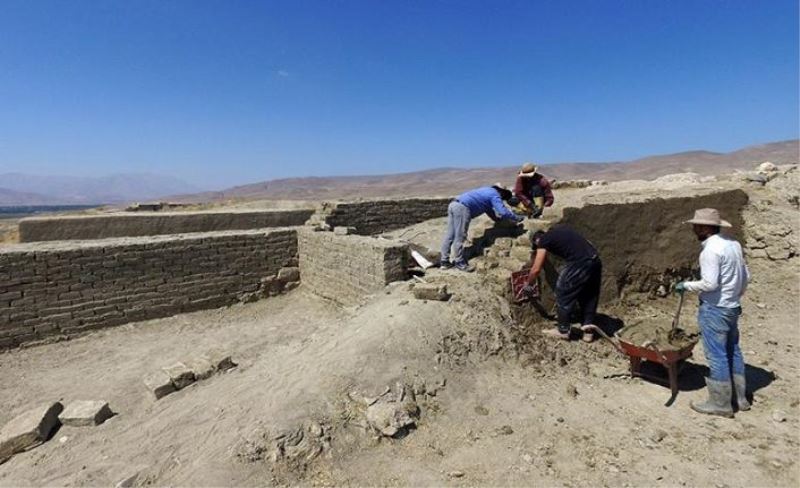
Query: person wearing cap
<point x="578" y="282"/>
<point x="723" y="281"/>
<point x="532" y="190"/>
<point x="485" y="200"/>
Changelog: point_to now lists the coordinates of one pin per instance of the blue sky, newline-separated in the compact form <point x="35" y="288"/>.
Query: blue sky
<point x="226" y="92"/>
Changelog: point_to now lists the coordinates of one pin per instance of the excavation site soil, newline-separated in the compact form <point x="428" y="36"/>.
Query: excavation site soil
<point x="400" y="390"/>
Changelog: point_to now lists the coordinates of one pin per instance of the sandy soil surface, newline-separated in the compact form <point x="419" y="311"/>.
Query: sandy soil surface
<point x="510" y="407"/>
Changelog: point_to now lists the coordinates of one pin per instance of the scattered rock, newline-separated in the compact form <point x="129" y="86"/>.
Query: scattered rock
<point x="343" y="231"/>
<point x="289" y="274"/>
<point x="505" y="430"/>
<point x="527" y="458"/>
<point x="431" y="291"/>
<point x="658" y="436"/>
<point x="201" y="366"/>
<point x="159" y="383"/>
<point x="403" y="302"/>
<point x="572" y="391"/>
<point x="28" y="430"/>
<point x="762" y="306"/>
<point x="180" y="375"/>
<point x="481" y="410"/>
<point x="394" y="416"/>
<point x="419" y="386"/>
<point x="767" y="167"/>
<point x="456" y="474"/>
<point x="127" y="482"/>
<point x="779" y="416"/>
<point x="85" y="412"/>
<point x="221" y="360"/>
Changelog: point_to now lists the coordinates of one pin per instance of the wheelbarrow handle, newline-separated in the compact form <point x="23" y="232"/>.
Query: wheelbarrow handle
<point x="614" y="341"/>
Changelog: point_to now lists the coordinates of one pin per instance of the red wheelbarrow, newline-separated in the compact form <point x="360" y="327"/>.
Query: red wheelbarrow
<point x="671" y="359"/>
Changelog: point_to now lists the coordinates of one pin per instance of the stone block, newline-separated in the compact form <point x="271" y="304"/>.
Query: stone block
<point x="289" y="274"/>
<point x="523" y="241"/>
<point x="503" y="243"/>
<point x="83" y="413"/>
<point x="159" y="383"/>
<point x="343" y="230"/>
<point x="180" y="375"/>
<point x="28" y="430"/>
<point x="521" y="253"/>
<point x="201" y="366"/>
<point x="431" y="291"/>
<point x="220" y="359"/>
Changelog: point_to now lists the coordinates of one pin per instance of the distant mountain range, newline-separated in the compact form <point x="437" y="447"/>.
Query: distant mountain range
<point x="25" y="189"/>
<point x="451" y="181"/>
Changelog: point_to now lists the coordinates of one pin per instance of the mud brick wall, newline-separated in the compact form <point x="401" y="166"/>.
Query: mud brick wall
<point x="378" y="216"/>
<point x="345" y="268"/>
<point x="36" y="229"/>
<point x="645" y="244"/>
<point x="50" y="290"/>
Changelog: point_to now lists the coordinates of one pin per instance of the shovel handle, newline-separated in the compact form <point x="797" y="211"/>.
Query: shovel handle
<point x="677" y="313"/>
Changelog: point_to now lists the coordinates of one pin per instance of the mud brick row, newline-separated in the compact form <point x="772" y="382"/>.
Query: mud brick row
<point x="375" y="217"/>
<point x="345" y="268"/>
<point x="59" y="289"/>
<point x="36" y="229"/>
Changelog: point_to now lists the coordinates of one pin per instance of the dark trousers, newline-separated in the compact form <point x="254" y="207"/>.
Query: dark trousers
<point x="578" y="284"/>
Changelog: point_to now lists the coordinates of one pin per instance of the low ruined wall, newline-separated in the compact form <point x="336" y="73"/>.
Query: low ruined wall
<point x="345" y="268"/>
<point x="645" y="244"/>
<point x="36" y="229"/>
<point x="378" y="216"/>
<point x="52" y="290"/>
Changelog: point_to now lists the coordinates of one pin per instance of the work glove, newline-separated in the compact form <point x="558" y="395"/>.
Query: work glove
<point x="680" y="287"/>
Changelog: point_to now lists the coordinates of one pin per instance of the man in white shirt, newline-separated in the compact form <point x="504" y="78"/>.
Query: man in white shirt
<point x="723" y="281"/>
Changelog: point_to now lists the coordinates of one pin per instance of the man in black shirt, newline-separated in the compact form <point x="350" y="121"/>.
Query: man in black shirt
<point x="579" y="280"/>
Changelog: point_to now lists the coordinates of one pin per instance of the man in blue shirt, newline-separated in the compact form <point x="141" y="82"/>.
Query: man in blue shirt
<point x="486" y="200"/>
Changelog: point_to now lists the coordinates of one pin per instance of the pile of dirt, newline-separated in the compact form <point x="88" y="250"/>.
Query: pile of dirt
<point x="658" y="334"/>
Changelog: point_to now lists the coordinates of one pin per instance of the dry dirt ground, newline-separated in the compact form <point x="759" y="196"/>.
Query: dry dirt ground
<point x="510" y="408"/>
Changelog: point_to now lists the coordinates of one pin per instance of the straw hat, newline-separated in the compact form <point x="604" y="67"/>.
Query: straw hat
<point x="708" y="216"/>
<point x="528" y="169"/>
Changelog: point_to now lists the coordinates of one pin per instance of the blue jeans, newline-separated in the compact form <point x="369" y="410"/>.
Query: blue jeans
<point x="719" y="327"/>
<point x="458" y="217"/>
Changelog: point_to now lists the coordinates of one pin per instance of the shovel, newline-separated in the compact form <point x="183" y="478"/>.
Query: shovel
<point x="674" y="333"/>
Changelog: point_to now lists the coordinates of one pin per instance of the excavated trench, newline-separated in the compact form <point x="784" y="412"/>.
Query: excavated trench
<point x="645" y="247"/>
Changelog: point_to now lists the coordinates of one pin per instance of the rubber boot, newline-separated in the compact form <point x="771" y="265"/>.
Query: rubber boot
<point x="719" y="399"/>
<point x="740" y="386"/>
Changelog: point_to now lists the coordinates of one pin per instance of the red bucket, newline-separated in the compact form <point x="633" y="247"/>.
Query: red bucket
<point x="518" y="281"/>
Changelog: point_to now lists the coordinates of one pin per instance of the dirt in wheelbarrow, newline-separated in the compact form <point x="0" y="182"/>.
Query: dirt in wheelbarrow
<point x="658" y="333"/>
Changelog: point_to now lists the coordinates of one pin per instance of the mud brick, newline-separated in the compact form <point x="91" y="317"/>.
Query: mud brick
<point x="10" y="295"/>
<point x="159" y="383"/>
<point x="180" y="375"/>
<point x="201" y="366"/>
<point x="28" y="430"/>
<point x="83" y="413"/>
